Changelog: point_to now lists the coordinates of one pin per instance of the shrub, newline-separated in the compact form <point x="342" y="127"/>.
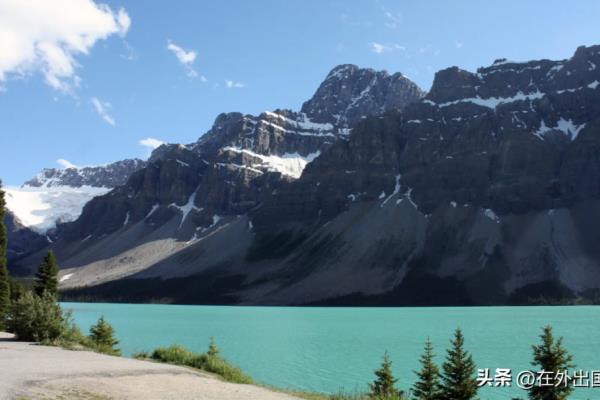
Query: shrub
<point x="229" y="372"/>
<point x="71" y="338"/>
<point x="102" y="338"/>
<point x="209" y="362"/>
<point x="36" y="318"/>
<point x="177" y="355"/>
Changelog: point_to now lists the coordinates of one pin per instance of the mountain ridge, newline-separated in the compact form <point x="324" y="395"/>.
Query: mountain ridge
<point x="481" y="190"/>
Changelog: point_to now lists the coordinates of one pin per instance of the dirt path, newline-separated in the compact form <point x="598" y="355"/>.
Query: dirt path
<point x="29" y="371"/>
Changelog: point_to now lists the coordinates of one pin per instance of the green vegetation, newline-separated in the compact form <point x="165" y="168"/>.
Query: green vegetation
<point x="383" y="386"/>
<point x="46" y="279"/>
<point x="551" y="356"/>
<point x="211" y="361"/>
<point x="459" y="382"/>
<point x="4" y="277"/>
<point x="428" y="385"/>
<point x="40" y="319"/>
<point x="102" y="338"/>
<point x="17" y="289"/>
<point x="213" y="350"/>
<point x="36" y="318"/>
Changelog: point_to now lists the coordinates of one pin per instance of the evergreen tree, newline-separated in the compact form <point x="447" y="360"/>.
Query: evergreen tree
<point x="102" y="336"/>
<point x="383" y="386"/>
<point x="4" y="276"/>
<point x="427" y="386"/>
<point x="459" y="381"/>
<point x="46" y="280"/>
<point x="17" y="289"/>
<point x="213" y="350"/>
<point x="550" y="356"/>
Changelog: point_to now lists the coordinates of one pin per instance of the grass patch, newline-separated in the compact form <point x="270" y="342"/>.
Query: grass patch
<point x="210" y="361"/>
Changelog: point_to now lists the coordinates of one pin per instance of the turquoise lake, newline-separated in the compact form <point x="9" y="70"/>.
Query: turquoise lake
<point x="326" y="349"/>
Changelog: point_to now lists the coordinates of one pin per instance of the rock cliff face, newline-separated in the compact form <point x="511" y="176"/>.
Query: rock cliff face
<point x="482" y="192"/>
<point x="500" y="169"/>
<point x="240" y="160"/>
<point x="22" y="240"/>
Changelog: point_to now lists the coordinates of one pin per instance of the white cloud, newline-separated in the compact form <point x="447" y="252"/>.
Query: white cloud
<point x="65" y="163"/>
<point x="458" y="44"/>
<point x="103" y="109"/>
<point x="151" y="143"/>
<point x="186" y="58"/>
<point x="233" y="84"/>
<point x="380" y="48"/>
<point x="47" y="36"/>
<point x="124" y="22"/>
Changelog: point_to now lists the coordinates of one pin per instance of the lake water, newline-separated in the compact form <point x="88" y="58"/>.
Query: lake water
<point x="325" y="349"/>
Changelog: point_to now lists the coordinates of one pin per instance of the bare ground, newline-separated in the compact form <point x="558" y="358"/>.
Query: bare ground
<point x="30" y="371"/>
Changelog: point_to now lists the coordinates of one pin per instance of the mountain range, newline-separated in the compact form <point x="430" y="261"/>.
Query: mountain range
<point x="481" y="191"/>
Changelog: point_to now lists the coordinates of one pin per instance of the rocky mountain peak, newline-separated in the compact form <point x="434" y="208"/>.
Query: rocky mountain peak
<point x="349" y="93"/>
<point x="508" y="81"/>
<point x="106" y="176"/>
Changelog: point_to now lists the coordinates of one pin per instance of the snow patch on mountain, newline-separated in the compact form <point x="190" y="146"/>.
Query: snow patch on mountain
<point x="187" y="208"/>
<point x="41" y="208"/>
<point x="567" y="126"/>
<point x="493" y="102"/>
<point x="291" y="164"/>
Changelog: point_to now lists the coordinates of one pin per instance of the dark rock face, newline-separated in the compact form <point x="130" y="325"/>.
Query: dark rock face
<point x="243" y="158"/>
<point x="110" y="175"/>
<point x="349" y="94"/>
<point x="482" y="192"/>
<point x="22" y="241"/>
<point x="499" y="163"/>
<point x="510" y="137"/>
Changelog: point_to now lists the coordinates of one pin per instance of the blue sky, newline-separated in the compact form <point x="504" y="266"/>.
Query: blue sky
<point x="131" y="86"/>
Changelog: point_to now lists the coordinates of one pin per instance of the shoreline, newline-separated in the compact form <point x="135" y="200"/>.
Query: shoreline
<point x="33" y="371"/>
<point x="533" y="305"/>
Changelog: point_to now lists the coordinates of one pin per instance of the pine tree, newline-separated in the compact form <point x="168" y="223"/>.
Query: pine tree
<point x="551" y="356"/>
<point x="427" y="386"/>
<point x="459" y="382"/>
<point x="4" y="276"/>
<point x="102" y="336"/>
<point x="383" y="386"/>
<point x="213" y="350"/>
<point x="17" y="289"/>
<point x="46" y="280"/>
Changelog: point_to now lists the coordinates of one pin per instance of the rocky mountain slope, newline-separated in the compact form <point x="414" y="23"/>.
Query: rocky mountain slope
<point x="483" y="192"/>
<point x="186" y="193"/>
